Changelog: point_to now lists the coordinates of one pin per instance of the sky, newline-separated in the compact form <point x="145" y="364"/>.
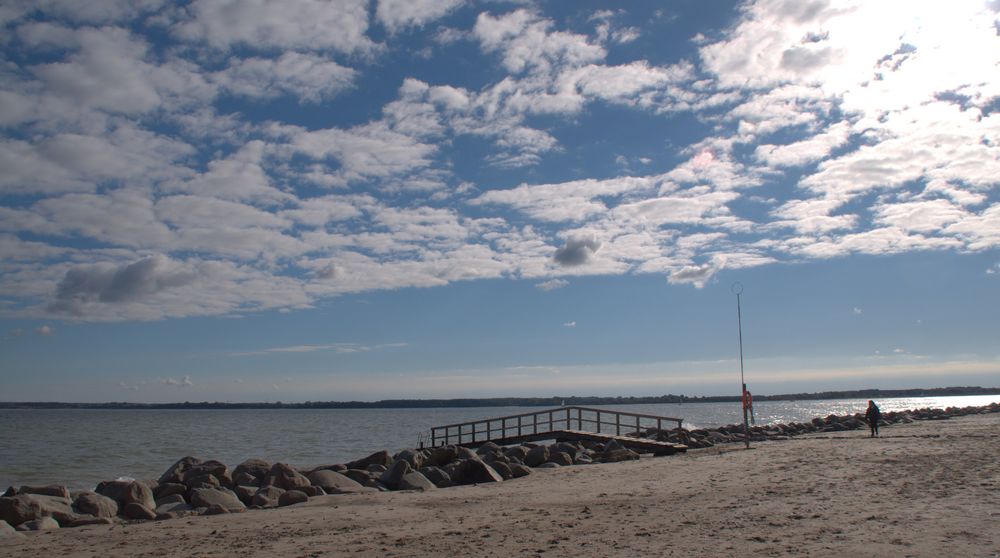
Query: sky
<point x="307" y="200"/>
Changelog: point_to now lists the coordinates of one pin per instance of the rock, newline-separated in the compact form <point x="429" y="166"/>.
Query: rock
<point x="488" y="448"/>
<point x="216" y="509"/>
<point x="285" y="476"/>
<point x="475" y="471"/>
<point x="245" y="493"/>
<point x="85" y="520"/>
<point x="568" y="448"/>
<point x="378" y="458"/>
<point x="202" y="481"/>
<point x="10" y="492"/>
<point x="312" y="491"/>
<point x="516" y="452"/>
<point x="392" y="477"/>
<point x="502" y="468"/>
<point x="536" y="456"/>
<point x="41" y="524"/>
<point x="50" y="490"/>
<point x="549" y="465"/>
<point x="254" y="468"/>
<point x="96" y="505"/>
<point x="437" y="476"/>
<point x="211" y="468"/>
<point x="583" y="459"/>
<point x="466" y="453"/>
<point x="441" y="456"/>
<point x="172" y="499"/>
<point x="413" y="457"/>
<point x="620" y="454"/>
<point x="517" y="470"/>
<point x="334" y="483"/>
<point x="175" y="473"/>
<point x="138" y="511"/>
<point x="167" y="489"/>
<point x="27" y="507"/>
<point x="560" y="458"/>
<point x="292" y="497"/>
<point x="127" y="492"/>
<point x="7" y="531"/>
<point x="173" y="507"/>
<point x="358" y="476"/>
<point x="207" y="497"/>
<point x="415" y="481"/>
<point x="376" y="468"/>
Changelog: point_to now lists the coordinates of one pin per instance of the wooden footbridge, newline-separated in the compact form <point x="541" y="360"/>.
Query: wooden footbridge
<point x="561" y="424"/>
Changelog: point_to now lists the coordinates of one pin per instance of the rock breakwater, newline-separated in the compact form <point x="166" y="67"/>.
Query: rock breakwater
<point x="192" y="486"/>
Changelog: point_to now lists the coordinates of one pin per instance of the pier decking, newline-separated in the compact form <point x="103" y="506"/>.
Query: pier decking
<point x="600" y="425"/>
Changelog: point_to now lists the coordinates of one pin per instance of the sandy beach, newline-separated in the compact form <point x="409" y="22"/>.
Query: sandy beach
<point x="922" y="489"/>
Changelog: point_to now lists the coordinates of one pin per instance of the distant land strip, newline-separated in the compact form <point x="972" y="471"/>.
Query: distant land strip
<point x="517" y="401"/>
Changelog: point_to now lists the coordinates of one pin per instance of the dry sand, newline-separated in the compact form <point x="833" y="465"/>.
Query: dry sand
<point x="930" y="488"/>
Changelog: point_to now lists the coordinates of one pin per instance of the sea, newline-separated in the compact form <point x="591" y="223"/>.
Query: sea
<point x="79" y="448"/>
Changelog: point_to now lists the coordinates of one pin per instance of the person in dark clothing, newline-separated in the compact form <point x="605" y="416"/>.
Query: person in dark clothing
<point x="873" y="415"/>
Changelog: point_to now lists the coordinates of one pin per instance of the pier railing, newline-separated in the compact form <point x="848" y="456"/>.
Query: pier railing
<point x="516" y="427"/>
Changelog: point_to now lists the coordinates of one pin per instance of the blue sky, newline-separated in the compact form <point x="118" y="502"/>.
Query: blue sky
<point x="348" y="199"/>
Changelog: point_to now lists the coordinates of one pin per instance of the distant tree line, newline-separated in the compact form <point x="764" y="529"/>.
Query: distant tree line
<point x="517" y="401"/>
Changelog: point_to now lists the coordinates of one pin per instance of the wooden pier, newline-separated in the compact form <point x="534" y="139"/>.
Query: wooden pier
<point x="561" y="424"/>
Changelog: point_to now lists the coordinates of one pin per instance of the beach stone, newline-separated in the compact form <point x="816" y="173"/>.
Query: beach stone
<point x="246" y="479"/>
<point x="517" y="470"/>
<point x="168" y="489"/>
<point x="392" y="477"/>
<point x="41" y="524"/>
<point x="172" y="507"/>
<point x="50" y="490"/>
<point x="415" y="481"/>
<point x="312" y="491"/>
<point x="171" y="499"/>
<point x="175" y="473"/>
<point x="437" y="476"/>
<point x="292" y="497"/>
<point x="478" y="472"/>
<point x="358" y="476"/>
<point x="138" y="511"/>
<point x="127" y="492"/>
<point x="202" y="481"/>
<point x="6" y="531"/>
<point x="211" y="468"/>
<point x="568" y="448"/>
<point x="255" y="468"/>
<point x="96" y="505"/>
<point x="376" y="468"/>
<point x="536" y="456"/>
<point x="9" y="493"/>
<point x="334" y="483"/>
<point x="583" y="459"/>
<point x="27" y="507"/>
<point x="549" y="465"/>
<point x="503" y="469"/>
<point x="85" y="520"/>
<point x="285" y="476"/>
<point x="414" y="457"/>
<point x="466" y="453"/>
<point x="620" y="454"/>
<point x="207" y="497"/>
<point x="378" y="458"/>
<point x="560" y="458"/>
<point x="441" y="456"/>
<point x="245" y="493"/>
<point x="488" y="447"/>
<point x="216" y="509"/>
<point x="516" y="452"/>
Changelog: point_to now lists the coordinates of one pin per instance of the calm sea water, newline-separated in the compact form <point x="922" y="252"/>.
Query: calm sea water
<point x="79" y="448"/>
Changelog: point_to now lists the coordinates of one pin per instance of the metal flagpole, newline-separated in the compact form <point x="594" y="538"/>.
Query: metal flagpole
<point x="737" y="288"/>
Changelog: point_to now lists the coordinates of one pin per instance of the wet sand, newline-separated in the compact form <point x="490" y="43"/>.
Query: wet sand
<point x="928" y="488"/>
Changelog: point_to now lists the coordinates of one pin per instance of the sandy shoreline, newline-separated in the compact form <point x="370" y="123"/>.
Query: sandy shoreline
<point x="923" y="489"/>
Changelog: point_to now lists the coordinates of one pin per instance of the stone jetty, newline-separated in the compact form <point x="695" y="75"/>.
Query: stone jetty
<point x="192" y="486"/>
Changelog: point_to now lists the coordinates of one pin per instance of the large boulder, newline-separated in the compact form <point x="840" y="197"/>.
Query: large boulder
<point x="415" y="481"/>
<point x="138" y="511"/>
<point x="502" y="468"/>
<point x="6" y="531"/>
<point x="333" y="482"/>
<point x="96" y="505"/>
<point x="167" y="489"/>
<point x="244" y="493"/>
<point x="50" y="490"/>
<point x="175" y="473"/>
<point x="292" y="497"/>
<point x="41" y="524"/>
<point x="256" y="469"/>
<point x="517" y="470"/>
<point x="359" y="476"/>
<point x="207" y="497"/>
<point x="437" y="476"/>
<point x="208" y="469"/>
<point x="27" y="507"/>
<point x="560" y="458"/>
<point x="536" y="456"/>
<point x="267" y="496"/>
<point x="127" y="492"/>
<point x="517" y="453"/>
<point x="473" y="471"/>
<point x="378" y="458"/>
<point x="392" y="477"/>
<point x="441" y="456"/>
<point x="285" y="476"/>
<point x="414" y="457"/>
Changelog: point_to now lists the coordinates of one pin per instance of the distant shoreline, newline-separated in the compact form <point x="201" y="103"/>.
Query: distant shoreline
<point x="515" y="401"/>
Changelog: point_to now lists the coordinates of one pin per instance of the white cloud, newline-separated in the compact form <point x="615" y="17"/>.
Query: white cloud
<point x="309" y="77"/>
<point x="569" y="324"/>
<point x="578" y="250"/>
<point x="340" y="25"/>
<point x="399" y="14"/>
<point x="857" y="311"/>
<point x="45" y="330"/>
<point x="551" y="284"/>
